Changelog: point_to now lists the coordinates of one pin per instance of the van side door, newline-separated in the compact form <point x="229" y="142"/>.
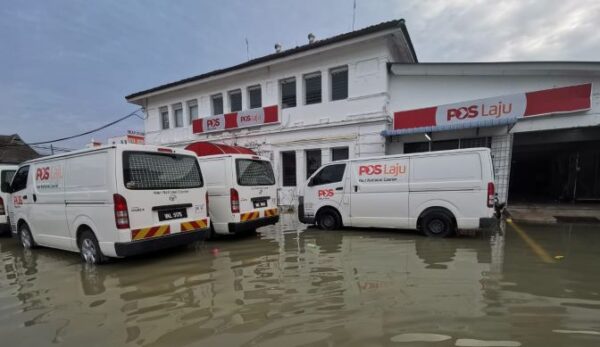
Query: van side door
<point x="379" y="193"/>
<point x="327" y="188"/>
<point x="47" y="199"/>
<point x="19" y="202"/>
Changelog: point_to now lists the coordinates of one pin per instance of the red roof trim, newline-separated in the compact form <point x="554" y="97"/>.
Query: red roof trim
<point x="203" y="149"/>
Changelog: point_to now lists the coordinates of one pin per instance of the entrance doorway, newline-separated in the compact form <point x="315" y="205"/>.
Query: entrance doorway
<point x="556" y="166"/>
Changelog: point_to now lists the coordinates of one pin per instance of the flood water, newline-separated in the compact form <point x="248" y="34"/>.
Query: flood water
<point x="521" y="285"/>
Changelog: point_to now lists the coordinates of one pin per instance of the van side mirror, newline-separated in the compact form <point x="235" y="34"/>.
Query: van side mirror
<point x="5" y="187"/>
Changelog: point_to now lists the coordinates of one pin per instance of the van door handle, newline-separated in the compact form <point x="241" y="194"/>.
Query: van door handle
<point x="24" y="197"/>
<point x="34" y="198"/>
<point x="355" y="189"/>
<point x="339" y="188"/>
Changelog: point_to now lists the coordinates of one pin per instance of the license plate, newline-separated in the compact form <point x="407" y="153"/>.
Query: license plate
<point x="260" y="203"/>
<point x="172" y="214"/>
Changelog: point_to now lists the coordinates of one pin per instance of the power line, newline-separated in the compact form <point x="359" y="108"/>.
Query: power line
<point x="134" y="113"/>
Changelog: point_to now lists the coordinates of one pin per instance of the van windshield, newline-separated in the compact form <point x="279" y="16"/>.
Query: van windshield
<point x="150" y="171"/>
<point x="5" y="177"/>
<point x="252" y="172"/>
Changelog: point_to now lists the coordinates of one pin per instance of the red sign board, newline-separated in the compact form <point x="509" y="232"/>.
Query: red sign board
<point x="500" y="109"/>
<point x="237" y="120"/>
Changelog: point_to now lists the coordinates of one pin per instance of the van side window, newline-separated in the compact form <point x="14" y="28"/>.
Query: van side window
<point x="329" y="174"/>
<point x="6" y="176"/>
<point x="20" y="180"/>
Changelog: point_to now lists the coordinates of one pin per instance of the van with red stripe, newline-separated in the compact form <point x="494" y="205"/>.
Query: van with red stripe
<point x="241" y="188"/>
<point x="437" y="193"/>
<point x="6" y="174"/>
<point x="112" y="201"/>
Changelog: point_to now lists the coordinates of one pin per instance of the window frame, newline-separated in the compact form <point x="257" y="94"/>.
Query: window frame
<point x="164" y="116"/>
<point x="283" y="82"/>
<point x="283" y="171"/>
<point x="305" y="80"/>
<point x="340" y="148"/>
<point x="25" y="167"/>
<point x="334" y="70"/>
<point x="231" y="93"/>
<point x="212" y="104"/>
<point x="178" y="107"/>
<point x="189" y="104"/>
<point x="249" y="90"/>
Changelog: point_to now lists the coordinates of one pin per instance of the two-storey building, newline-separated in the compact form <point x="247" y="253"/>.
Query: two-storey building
<point x="302" y="107"/>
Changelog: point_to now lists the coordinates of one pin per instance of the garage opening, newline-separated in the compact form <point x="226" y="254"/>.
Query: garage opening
<point x="556" y="166"/>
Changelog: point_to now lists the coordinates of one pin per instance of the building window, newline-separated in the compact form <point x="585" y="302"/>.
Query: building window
<point x="476" y="142"/>
<point x="164" y="117"/>
<point x="416" y="147"/>
<point x="442" y="145"/>
<point x="340" y="153"/>
<point x="192" y="110"/>
<point x="235" y="100"/>
<point x="288" y="93"/>
<point x="178" y="113"/>
<point x="313" y="161"/>
<point x="217" y="104"/>
<point x="339" y="83"/>
<point x="312" y="88"/>
<point x="288" y="168"/>
<point x="255" y="97"/>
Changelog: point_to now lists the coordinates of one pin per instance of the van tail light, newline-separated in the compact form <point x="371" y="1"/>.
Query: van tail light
<point x="234" y="197"/>
<point x="206" y="198"/>
<point x="491" y="194"/>
<point x="2" y="209"/>
<point x="121" y="214"/>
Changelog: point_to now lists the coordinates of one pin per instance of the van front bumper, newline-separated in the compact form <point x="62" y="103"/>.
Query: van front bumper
<point x="240" y="227"/>
<point x="126" y="249"/>
<point x="302" y="217"/>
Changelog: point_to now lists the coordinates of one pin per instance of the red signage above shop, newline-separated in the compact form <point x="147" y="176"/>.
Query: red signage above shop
<point x="236" y="120"/>
<point x="496" y="110"/>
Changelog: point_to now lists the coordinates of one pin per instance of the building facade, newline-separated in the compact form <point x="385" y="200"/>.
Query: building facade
<point x="364" y="94"/>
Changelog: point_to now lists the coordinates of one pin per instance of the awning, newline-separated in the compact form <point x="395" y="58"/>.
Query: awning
<point x="494" y="111"/>
<point x="202" y="149"/>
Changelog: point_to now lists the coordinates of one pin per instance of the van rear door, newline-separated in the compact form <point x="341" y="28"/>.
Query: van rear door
<point x="255" y="183"/>
<point x="163" y="190"/>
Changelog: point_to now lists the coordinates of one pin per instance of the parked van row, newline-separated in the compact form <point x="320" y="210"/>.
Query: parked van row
<point x="123" y="200"/>
<point x="437" y="193"/>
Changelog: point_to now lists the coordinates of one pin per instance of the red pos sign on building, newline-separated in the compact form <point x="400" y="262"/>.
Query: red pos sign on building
<point x="496" y="110"/>
<point x="236" y="120"/>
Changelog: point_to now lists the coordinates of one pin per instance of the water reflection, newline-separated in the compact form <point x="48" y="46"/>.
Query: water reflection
<point x="290" y="286"/>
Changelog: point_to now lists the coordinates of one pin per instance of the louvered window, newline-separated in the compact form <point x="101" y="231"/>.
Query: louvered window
<point x="339" y="83"/>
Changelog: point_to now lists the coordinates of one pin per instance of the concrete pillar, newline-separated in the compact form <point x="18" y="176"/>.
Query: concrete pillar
<point x="325" y="85"/>
<point x="300" y="167"/>
<point x="325" y="156"/>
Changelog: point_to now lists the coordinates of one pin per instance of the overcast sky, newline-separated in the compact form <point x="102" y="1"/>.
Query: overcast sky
<point x="65" y="66"/>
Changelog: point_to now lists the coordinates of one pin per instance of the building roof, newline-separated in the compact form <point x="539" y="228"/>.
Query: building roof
<point x="394" y="24"/>
<point x="506" y="68"/>
<point x="14" y="151"/>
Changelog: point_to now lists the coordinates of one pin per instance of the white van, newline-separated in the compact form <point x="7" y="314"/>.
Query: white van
<point x="241" y="188"/>
<point x="437" y="193"/>
<point x="112" y="201"/>
<point x="6" y="174"/>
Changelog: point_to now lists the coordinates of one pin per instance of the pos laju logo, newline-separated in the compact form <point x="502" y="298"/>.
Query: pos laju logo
<point x="325" y="193"/>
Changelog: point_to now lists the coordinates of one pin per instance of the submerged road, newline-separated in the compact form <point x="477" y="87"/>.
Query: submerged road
<point x="520" y="285"/>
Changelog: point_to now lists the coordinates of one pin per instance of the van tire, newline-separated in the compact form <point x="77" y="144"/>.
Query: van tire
<point x="89" y="249"/>
<point x="26" y="237"/>
<point x="328" y="219"/>
<point x="437" y="223"/>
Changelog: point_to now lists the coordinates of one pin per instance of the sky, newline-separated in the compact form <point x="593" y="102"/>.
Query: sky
<point x="65" y="66"/>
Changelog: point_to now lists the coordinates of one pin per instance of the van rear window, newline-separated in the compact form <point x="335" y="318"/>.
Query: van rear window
<point x="150" y="171"/>
<point x="251" y="172"/>
<point x="6" y="176"/>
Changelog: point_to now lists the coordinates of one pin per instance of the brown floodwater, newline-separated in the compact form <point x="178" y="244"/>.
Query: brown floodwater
<point x="292" y="286"/>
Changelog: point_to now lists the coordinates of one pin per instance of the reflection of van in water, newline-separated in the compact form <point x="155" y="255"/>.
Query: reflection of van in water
<point x="241" y="187"/>
<point x="436" y="192"/>
<point x="112" y="201"/>
<point x="6" y="174"/>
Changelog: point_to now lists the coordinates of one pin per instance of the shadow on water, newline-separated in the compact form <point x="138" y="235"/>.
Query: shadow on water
<point x="294" y="286"/>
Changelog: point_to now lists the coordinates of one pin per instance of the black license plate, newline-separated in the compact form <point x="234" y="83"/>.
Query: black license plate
<point x="260" y="203"/>
<point x="172" y="214"/>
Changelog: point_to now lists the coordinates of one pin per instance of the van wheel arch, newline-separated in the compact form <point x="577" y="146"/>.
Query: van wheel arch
<point x="329" y="209"/>
<point x="80" y="230"/>
<point x="439" y="211"/>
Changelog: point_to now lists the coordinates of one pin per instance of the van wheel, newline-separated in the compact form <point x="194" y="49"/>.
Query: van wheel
<point x="90" y="249"/>
<point x="328" y="220"/>
<point x="26" y="237"/>
<point x="437" y="224"/>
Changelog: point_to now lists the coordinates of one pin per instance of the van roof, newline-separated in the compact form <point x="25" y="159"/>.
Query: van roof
<point x="100" y="148"/>
<point x="419" y="154"/>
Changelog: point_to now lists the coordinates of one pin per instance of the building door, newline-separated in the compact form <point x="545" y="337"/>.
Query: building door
<point x="556" y="166"/>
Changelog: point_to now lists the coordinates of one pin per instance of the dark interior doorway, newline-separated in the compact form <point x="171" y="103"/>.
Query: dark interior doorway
<point x="556" y="166"/>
